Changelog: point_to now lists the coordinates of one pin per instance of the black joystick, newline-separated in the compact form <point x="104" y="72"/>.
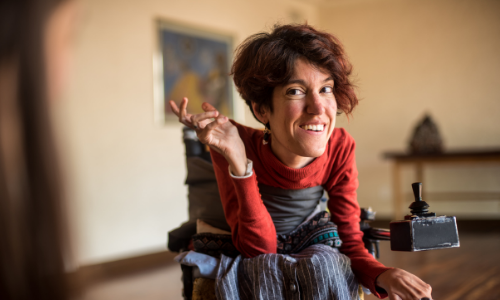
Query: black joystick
<point x="421" y="229"/>
<point x="418" y="208"/>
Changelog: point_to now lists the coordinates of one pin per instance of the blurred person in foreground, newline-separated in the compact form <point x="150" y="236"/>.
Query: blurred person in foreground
<point x="295" y="81"/>
<point x="35" y="39"/>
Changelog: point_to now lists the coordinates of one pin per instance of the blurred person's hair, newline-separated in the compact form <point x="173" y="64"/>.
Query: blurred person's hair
<point x="31" y="227"/>
<point x="266" y="60"/>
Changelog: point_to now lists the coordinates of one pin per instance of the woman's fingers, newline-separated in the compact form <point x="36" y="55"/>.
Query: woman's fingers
<point x="181" y="112"/>
<point x="198" y="121"/>
<point x="219" y="121"/>
<point x="208" y="107"/>
<point x="174" y="107"/>
<point x="201" y="120"/>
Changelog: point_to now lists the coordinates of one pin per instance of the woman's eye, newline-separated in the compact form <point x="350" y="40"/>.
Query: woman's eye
<point x="327" y="89"/>
<point x="294" y="92"/>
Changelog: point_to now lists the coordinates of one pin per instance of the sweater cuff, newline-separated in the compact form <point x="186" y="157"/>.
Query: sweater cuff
<point x="374" y="288"/>
<point x="248" y="172"/>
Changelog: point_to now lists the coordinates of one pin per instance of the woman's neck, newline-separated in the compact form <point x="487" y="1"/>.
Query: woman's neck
<point x="290" y="159"/>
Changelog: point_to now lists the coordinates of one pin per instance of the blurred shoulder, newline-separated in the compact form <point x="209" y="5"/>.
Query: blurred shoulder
<point x="341" y="138"/>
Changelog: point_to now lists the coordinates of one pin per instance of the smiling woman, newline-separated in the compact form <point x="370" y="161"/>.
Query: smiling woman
<point x="295" y="80"/>
<point x="303" y="116"/>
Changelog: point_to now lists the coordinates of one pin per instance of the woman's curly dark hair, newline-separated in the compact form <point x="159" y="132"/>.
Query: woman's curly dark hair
<point x="266" y="60"/>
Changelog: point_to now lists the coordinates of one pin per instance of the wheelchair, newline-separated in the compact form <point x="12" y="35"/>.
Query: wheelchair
<point x="205" y="205"/>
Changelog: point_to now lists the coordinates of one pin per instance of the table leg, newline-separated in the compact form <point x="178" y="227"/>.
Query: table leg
<point x="396" y="190"/>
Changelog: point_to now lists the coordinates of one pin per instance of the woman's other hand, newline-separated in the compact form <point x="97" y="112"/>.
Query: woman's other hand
<point x="215" y="130"/>
<point x="402" y="285"/>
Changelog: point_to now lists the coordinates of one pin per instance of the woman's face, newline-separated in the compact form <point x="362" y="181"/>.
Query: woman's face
<point x="303" y="117"/>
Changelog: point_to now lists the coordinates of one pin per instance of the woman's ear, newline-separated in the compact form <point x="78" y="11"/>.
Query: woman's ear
<point x="261" y="113"/>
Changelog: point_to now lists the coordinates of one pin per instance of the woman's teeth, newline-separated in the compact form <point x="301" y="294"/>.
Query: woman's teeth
<point x="313" y="127"/>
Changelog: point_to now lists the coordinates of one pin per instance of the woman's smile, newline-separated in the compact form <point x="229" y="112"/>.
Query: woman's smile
<point x="313" y="128"/>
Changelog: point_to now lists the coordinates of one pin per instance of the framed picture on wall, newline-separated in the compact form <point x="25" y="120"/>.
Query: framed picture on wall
<point x="193" y="63"/>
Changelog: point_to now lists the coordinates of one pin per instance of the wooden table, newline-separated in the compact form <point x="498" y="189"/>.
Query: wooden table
<point x="419" y="161"/>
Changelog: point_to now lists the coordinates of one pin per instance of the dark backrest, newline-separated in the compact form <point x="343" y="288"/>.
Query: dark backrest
<point x="203" y="193"/>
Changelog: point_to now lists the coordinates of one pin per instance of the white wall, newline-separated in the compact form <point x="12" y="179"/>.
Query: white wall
<point x="412" y="57"/>
<point x="125" y="174"/>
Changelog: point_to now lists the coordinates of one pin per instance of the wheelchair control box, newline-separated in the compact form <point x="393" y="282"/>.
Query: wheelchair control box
<point x="422" y="230"/>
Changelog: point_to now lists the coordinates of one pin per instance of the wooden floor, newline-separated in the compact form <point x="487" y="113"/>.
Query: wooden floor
<point x="471" y="272"/>
<point x="158" y="284"/>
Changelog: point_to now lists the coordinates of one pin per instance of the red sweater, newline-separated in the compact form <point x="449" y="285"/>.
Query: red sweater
<point x="252" y="228"/>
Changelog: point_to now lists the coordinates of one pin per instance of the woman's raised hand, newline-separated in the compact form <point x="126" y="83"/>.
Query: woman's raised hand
<point x="215" y="130"/>
<point x="402" y="285"/>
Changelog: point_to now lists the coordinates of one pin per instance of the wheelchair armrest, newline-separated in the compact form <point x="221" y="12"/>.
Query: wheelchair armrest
<point x="372" y="236"/>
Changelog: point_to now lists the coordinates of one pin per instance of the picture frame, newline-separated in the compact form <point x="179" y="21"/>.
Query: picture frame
<point x="194" y="63"/>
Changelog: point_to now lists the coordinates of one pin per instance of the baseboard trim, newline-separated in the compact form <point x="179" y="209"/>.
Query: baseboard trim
<point x="95" y="273"/>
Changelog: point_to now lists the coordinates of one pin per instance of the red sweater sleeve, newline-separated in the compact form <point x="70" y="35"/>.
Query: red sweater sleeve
<point x="252" y="228"/>
<point x="341" y="187"/>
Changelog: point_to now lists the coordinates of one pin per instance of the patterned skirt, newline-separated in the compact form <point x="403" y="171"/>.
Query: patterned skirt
<point x="308" y="265"/>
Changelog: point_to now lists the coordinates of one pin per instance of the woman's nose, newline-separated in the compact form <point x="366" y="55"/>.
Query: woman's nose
<point x="315" y="104"/>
